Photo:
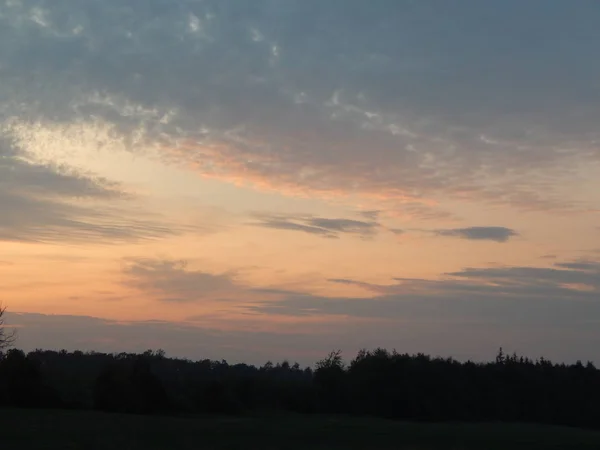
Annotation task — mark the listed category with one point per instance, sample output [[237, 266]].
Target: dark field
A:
[[48, 430]]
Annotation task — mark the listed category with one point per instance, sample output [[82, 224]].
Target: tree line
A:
[[376, 383]]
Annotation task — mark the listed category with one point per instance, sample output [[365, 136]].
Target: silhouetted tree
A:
[[113, 389], [6, 338], [130, 386], [376, 383], [151, 396], [21, 382], [330, 382]]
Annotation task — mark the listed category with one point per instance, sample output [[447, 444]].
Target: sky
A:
[[277, 179]]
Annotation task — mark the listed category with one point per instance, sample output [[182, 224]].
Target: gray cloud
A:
[[178, 339], [497, 234], [350, 282], [280, 224], [550, 311], [404, 100], [171, 280], [42, 203], [579, 273], [562, 295], [343, 281], [325, 227], [19, 176], [565, 295], [587, 266], [45, 221], [307, 345], [370, 215]]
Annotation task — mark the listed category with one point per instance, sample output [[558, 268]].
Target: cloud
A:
[[343, 281], [586, 266], [307, 345], [349, 282], [171, 281], [564, 295], [497, 234], [551, 311], [308, 97], [584, 274], [45, 203], [406, 107], [321, 226], [33, 220], [371, 215], [175, 281], [285, 224], [345, 225], [21, 176], [178, 339]]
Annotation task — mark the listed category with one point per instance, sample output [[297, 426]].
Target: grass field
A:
[[49, 430]]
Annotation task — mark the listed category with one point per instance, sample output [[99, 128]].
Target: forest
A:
[[375, 383]]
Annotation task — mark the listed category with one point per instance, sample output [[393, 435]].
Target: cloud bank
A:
[[440, 101], [562, 295], [539, 311]]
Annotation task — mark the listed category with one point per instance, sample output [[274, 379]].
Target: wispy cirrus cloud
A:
[[46, 203], [321, 226]]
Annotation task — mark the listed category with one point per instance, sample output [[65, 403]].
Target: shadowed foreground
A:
[[56, 429]]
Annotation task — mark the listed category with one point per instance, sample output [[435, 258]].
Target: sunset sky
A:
[[271, 179]]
